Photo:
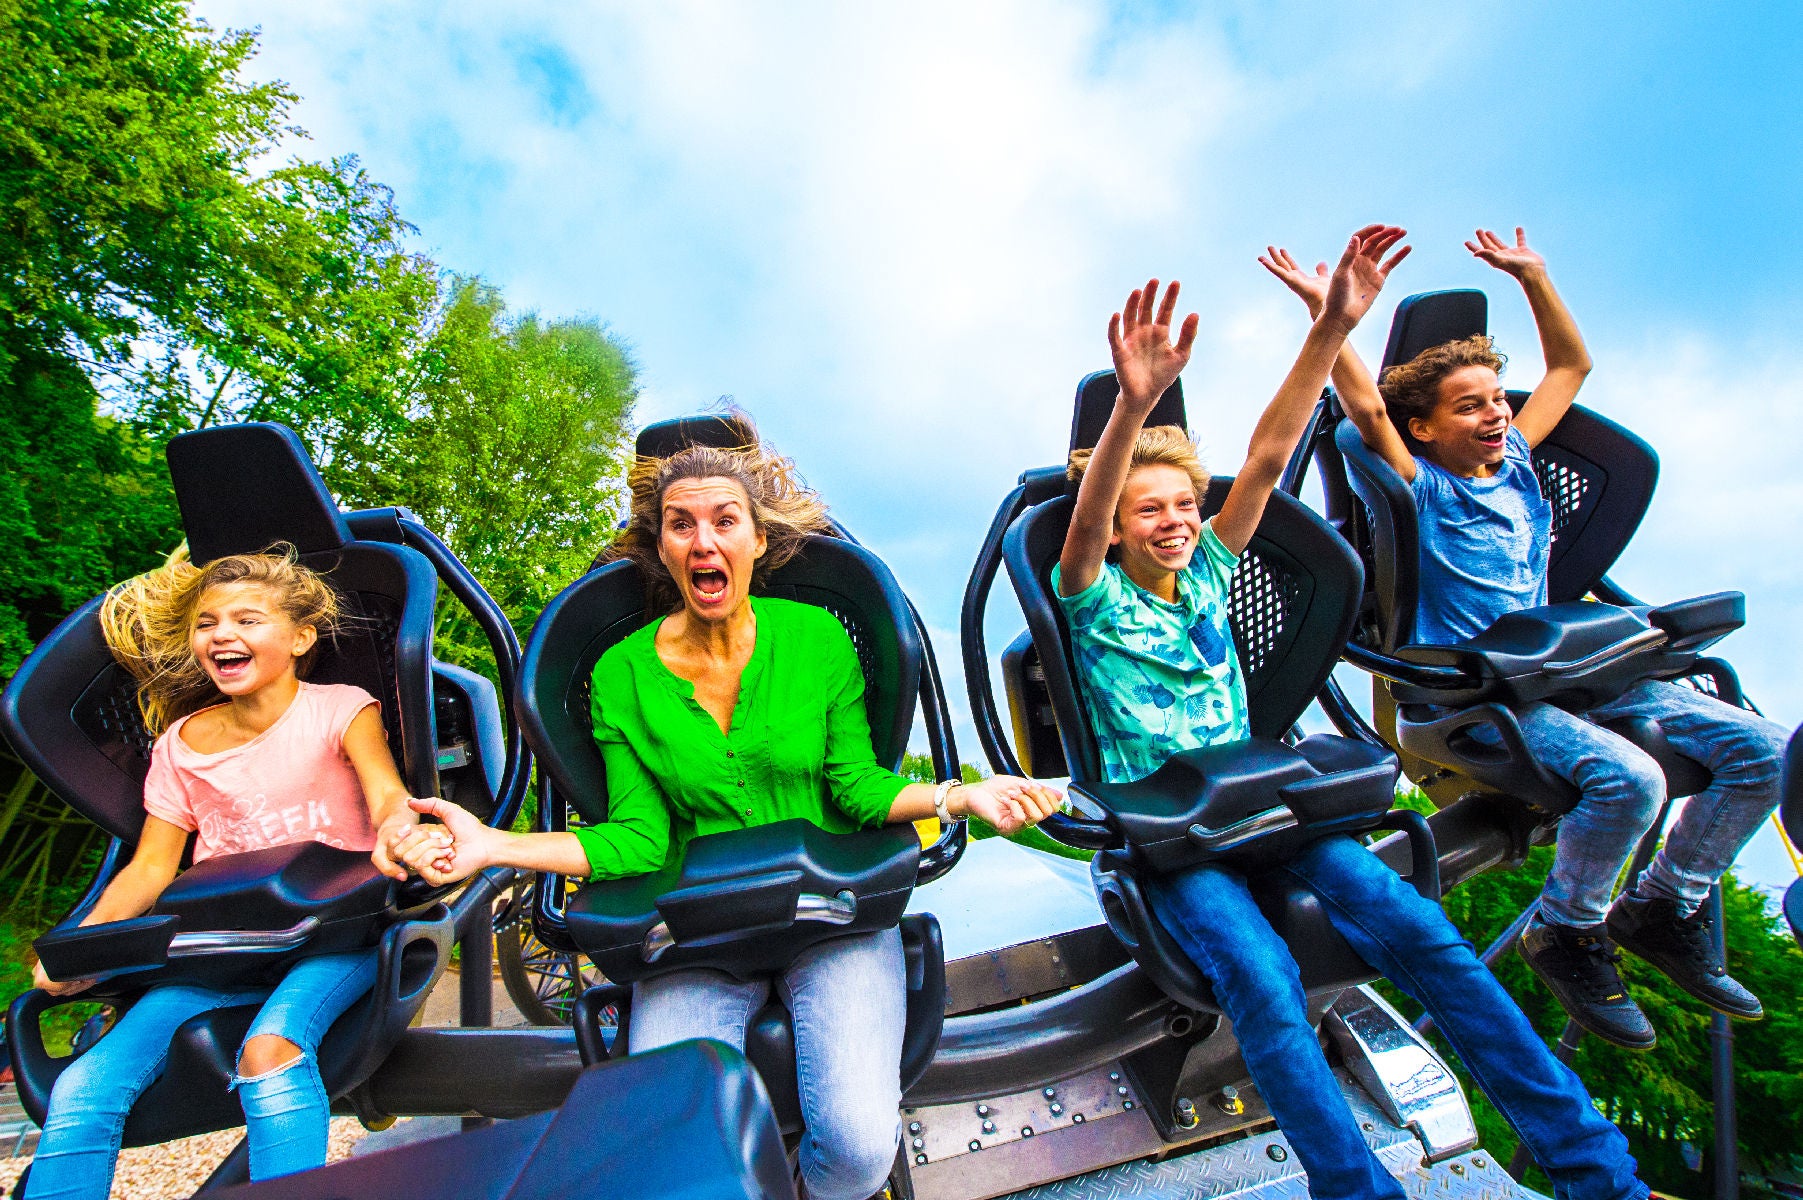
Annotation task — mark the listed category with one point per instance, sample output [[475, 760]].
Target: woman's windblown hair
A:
[[784, 509], [148, 622]]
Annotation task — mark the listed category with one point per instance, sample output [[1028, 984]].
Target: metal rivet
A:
[[1121, 1091], [1051, 1093], [1026, 1131], [919, 1144], [1077, 1119], [1057, 1108], [982, 1110], [1368, 1127], [988, 1126], [975, 1144], [913, 1126], [1128, 1105], [1276, 1153], [1458, 1168], [920, 1160], [1479, 1162], [1114, 1076]]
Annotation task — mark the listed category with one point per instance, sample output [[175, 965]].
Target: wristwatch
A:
[[939, 794]]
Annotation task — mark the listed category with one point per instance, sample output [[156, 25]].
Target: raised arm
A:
[[1359, 397], [1145, 364], [1351, 290], [1567, 358]]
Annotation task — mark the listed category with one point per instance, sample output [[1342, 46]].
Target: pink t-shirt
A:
[[290, 783]]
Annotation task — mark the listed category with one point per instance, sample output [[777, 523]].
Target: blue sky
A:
[[895, 233]]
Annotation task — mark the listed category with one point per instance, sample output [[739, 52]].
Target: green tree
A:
[[514, 454]]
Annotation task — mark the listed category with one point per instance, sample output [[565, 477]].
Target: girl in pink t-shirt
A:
[[249, 756]]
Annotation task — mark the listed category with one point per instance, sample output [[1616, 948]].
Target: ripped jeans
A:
[[285, 1110]]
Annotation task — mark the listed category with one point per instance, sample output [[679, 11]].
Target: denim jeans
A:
[[1407, 938], [848, 997], [1622, 790], [285, 1110]]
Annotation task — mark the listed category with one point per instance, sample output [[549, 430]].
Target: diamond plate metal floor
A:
[[1263, 1167]]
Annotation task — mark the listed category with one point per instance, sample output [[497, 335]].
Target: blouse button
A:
[[729, 754], [741, 783]]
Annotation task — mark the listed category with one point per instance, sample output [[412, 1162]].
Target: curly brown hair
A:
[[1412, 389], [1157, 445], [148, 622], [783, 508]]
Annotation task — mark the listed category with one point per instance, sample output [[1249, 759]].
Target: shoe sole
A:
[[1608, 1035], [1681, 984]]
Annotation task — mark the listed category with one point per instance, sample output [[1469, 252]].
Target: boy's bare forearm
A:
[[1092, 521], [1560, 342]]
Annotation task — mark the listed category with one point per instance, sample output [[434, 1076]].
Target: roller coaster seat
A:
[[1573, 652], [71, 714], [745, 901], [688, 1120], [1254, 803]]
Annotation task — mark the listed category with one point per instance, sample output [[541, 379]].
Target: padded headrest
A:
[[1429, 319], [1095, 401], [243, 487], [665, 438], [1791, 812]]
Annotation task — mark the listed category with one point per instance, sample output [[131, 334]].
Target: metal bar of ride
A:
[[1721, 1073]]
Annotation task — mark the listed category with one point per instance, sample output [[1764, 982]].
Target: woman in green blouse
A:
[[730, 712]]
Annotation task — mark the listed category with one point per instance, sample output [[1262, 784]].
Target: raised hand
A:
[[1353, 287], [1145, 360], [1518, 260], [1312, 288]]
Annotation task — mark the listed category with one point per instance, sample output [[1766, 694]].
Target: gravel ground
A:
[[173, 1170]]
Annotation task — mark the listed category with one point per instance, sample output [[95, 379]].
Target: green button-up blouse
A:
[[799, 745]]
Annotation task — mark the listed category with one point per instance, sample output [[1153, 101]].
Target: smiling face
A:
[[1465, 432], [1156, 524], [243, 639], [709, 544]]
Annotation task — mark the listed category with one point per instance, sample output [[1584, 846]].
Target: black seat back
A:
[[605, 605], [1292, 602], [71, 712]]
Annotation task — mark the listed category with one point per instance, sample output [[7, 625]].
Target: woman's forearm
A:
[[558, 853]]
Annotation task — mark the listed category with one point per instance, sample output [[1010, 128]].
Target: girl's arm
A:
[[1145, 364], [1567, 359], [1359, 397], [153, 865], [366, 745], [1351, 291]]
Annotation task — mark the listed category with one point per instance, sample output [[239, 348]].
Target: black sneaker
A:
[[1683, 948], [1578, 967]]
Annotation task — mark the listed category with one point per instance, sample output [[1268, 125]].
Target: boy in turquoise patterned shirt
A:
[[1154, 651]]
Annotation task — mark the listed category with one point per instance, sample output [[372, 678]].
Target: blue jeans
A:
[[1212, 915], [848, 997], [1622, 790], [286, 1110]]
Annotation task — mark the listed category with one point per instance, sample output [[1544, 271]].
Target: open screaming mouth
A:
[[708, 581]]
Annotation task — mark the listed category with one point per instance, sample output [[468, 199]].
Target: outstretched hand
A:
[[441, 854], [1518, 260], [1145, 360], [1009, 804], [1353, 287]]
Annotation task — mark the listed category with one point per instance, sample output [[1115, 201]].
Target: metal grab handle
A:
[[1244, 830], [1646, 639], [242, 941], [840, 909]]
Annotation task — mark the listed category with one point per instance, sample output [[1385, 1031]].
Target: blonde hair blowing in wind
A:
[[1156, 445], [148, 622], [784, 509]]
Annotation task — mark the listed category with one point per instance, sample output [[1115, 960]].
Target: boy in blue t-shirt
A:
[[1485, 539], [1159, 675]]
